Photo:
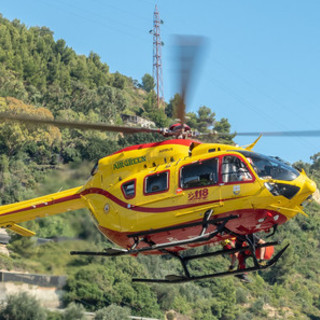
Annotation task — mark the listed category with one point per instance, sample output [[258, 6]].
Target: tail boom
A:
[[48, 205]]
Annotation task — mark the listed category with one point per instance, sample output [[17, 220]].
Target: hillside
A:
[[39, 75]]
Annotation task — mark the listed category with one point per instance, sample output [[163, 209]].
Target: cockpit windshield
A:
[[269, 167]]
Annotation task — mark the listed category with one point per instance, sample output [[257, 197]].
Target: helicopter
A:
[[174, 195]]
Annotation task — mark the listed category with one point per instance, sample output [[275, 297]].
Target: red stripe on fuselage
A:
[[147, 209], [44, 204], [116, 200]]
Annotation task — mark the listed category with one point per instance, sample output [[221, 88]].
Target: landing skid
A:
[[188, 278], [204, 236]]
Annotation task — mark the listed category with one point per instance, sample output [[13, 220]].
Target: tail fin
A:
[[51, 204]]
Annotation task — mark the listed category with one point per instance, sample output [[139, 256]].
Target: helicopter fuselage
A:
[[175, 182]]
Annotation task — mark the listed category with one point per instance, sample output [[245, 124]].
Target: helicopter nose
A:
[[309, 186]]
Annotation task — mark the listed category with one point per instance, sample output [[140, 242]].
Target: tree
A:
[[22, 307], [171, 108], [74, 312], [112, 312], [315, 161], [201, 120], [15, 135], [148, 82], [118, 81], [159, 118], [150, 102], [223, 126], [206, 118]]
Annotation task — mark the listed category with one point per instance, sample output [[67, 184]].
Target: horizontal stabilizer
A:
[[21, 230]]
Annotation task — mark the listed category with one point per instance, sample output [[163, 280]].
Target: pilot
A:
[[243, 172]]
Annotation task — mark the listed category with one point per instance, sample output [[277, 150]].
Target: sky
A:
[[260, 70]]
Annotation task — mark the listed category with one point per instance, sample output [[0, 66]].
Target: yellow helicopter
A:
[[173, 195]]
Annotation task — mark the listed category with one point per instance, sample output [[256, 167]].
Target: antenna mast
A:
[[157, 59]]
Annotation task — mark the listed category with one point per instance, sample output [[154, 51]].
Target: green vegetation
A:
[[22, 307], [25, 307], [39, 75], [112, 312]]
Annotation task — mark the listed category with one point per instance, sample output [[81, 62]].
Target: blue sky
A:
[[261, 69]]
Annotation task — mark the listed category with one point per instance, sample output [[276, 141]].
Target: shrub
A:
[[22, 307], [112, 312]]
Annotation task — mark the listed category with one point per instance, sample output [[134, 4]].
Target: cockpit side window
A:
[[234, 170], [129, 189], [199, 174], [155, 183]]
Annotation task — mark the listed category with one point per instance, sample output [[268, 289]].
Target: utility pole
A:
[[157, 59]]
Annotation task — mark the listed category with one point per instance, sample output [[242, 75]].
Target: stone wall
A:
[[34, 279]]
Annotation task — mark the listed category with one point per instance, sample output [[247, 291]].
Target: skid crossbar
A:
[[173, 279]]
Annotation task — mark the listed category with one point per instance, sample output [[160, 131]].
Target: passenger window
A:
[[200, 174], [234, 170], [129, 189], [157, 182]]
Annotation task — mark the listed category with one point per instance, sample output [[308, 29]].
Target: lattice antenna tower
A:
[[157, 55]]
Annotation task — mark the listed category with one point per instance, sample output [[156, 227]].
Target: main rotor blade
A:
[[302, 133], [188, 54], [73, 124]]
